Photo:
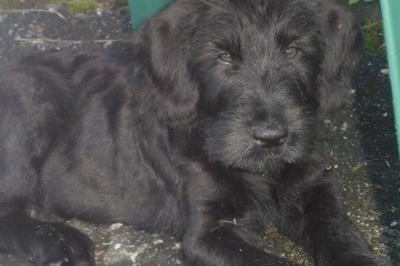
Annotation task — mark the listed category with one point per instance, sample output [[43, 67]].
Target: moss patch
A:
[[80, 6], [73, 6], [374, 39]]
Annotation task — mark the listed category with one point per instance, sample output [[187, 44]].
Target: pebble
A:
[[177, 246], [344, 127], [158, 241], [393, 224], [384, 71], [115, 226]]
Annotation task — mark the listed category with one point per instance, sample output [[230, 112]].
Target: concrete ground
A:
[[362, 140]]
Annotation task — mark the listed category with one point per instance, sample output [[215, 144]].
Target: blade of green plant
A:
[[351, 2]]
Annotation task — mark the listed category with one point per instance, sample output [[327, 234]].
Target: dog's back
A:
[[74, 141]]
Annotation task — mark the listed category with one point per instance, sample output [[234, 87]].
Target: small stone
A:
[[344, 126], [384, 71], [115, 226], [177, 246], [393, 224], [158, 241]]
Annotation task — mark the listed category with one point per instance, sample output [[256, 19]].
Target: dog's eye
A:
[[226, 58], [291, 51]]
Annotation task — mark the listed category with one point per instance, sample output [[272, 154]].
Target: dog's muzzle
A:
[[269, 135]]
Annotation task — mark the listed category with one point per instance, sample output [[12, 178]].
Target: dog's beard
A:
[[232, 146]]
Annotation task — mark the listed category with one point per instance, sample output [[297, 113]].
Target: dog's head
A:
[[261, 72]]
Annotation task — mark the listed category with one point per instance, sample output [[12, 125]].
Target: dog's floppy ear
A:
[[343, 40], [163, 43]]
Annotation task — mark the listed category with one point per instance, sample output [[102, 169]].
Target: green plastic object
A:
[[140, 10], [391, 24]]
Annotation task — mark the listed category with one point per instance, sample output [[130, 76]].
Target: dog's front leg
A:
[[212, 242], [326, 232]]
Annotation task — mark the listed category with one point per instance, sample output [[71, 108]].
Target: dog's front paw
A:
[[58, 244], [45, 243]]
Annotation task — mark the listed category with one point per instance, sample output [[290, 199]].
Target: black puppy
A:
[[206, 127]]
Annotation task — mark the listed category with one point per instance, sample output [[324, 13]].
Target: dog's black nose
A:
[[270, 135]]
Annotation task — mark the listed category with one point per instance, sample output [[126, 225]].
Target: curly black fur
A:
[[206, 126]]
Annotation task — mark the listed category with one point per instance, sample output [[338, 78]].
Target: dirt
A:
[[362, 139]]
